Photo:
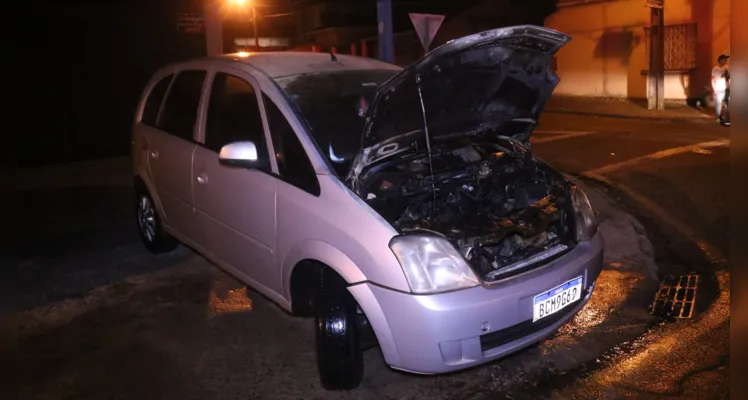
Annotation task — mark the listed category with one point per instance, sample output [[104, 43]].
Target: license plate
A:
[[556, 299]]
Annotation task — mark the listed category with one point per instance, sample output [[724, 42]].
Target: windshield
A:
[[333, 105]]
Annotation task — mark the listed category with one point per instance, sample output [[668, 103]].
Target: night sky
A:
[[103, 52]]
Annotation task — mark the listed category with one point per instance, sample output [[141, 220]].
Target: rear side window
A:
[[233, 114], [180, 109], [153, 103], [294, 166]]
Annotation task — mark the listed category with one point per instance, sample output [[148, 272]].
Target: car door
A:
[[170, 147], [236, 206], [300, 214]]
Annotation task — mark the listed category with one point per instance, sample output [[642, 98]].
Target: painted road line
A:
[[654, 156], [559, 135]]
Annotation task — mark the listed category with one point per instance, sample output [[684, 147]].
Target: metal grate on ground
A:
[[676, 297]]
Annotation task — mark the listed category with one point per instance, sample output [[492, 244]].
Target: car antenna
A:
[[332, 57], [428, 144]]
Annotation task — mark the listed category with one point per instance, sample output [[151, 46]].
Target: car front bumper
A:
[[433, 334]]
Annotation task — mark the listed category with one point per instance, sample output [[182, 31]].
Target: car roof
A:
[[278, 64]]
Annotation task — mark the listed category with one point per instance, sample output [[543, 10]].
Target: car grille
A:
[[533, 261]]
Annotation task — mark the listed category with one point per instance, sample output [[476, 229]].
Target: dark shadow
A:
[[101, 57], [639, 102], [129, 350], [685, 84], [678, 202], [617, 44], [636, 83], [78, 238], [164, 340], [702, 12]]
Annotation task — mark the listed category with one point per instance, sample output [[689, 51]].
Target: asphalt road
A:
[[689, 176], [104, 319], [674, 176]]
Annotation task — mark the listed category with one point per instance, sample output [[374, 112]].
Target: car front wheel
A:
[[339, 355]]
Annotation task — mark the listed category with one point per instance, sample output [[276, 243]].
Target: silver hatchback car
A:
[[398, 207]]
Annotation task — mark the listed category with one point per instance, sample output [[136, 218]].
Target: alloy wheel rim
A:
[[147, 218]]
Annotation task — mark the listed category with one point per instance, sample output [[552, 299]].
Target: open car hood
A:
[[494, 82]]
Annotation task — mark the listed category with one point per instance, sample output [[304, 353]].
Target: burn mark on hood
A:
[[496, 81]]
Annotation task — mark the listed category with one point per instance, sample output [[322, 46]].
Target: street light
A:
[[243, 3]]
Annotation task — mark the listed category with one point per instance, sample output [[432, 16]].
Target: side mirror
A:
[[241, 154]]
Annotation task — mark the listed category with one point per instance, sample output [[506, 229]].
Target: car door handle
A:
[[202, 179], [154, 153]]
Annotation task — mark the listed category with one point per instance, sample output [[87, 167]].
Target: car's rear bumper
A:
[[451, 331]]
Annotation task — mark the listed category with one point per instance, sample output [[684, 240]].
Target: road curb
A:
[[610, 319], [652, 343], [657, 344], [708, 259], [694, 120], [674, 227], [609, 213], [651, 350]]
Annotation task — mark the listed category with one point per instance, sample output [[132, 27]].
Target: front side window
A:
[[293, 163], [153, 102], [180, 110], [233, 114]]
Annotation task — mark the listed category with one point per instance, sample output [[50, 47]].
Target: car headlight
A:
[[583, 214], [431, 264]]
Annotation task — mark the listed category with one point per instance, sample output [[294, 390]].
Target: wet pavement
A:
[[102, 318], [176, 334], [115, 322], [687, 177], [681, 360], [679, 191], [693, 187]]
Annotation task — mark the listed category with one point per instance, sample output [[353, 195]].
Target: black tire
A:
[[339, 355], [151, 231]]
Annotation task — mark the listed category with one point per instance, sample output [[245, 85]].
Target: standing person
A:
[[720, 81]]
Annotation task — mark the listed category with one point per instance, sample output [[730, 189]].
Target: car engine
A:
[[504, 210]]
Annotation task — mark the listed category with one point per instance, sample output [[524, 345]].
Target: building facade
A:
[[331, 25], [609, 52]]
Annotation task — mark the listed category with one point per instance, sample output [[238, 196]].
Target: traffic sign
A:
[[426, 27], [190, 23]]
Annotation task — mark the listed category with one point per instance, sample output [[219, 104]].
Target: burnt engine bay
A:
[[502, 208]]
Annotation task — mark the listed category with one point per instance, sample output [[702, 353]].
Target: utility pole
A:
[[656, 76], [213, 28], [254, 26], [386, 42]]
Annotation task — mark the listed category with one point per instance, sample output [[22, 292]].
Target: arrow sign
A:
[[426, 27]]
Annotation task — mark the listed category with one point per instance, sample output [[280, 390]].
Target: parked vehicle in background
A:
[[401, 207]]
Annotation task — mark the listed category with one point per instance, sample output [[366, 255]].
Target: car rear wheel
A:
[[155, 239], [338, 334]]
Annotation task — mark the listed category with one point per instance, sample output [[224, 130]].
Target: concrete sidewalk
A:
[[624, 108]]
